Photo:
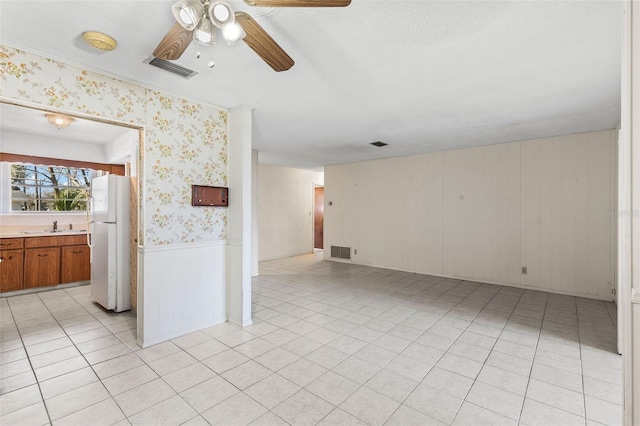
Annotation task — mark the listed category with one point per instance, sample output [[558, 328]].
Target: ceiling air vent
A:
[[170, 66], [379, 144]]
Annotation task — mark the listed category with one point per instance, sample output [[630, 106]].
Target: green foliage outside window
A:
[[49, 188]]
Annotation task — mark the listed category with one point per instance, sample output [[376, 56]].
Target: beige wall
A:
[[285, 211], [483, 213]]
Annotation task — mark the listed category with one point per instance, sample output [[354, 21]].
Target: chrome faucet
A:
[[55, 225]]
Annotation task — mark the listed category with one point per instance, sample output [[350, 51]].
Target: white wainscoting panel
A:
[[184, 289]]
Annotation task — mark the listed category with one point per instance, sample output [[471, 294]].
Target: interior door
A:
[[318, 217]]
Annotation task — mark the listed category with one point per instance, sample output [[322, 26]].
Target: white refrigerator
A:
[[109, 224]]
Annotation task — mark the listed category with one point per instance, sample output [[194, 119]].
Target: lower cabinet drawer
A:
[[42, 267]]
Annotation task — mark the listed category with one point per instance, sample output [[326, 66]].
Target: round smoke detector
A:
[[99, 40]]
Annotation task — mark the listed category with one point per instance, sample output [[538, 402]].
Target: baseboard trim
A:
[[165, 338], [506, 284]]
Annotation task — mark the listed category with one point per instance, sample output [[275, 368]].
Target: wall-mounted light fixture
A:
[[58, 120]]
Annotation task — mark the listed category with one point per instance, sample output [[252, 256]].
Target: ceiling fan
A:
[[198, 20]]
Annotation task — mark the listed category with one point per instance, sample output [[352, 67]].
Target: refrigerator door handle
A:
[[90, 206], [89, 232], [90, 221]]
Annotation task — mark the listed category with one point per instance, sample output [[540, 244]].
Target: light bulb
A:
[[233, 32]]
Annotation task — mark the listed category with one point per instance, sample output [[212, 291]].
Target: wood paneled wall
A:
[[484, 213]]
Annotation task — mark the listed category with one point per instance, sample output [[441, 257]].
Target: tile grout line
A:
[[444, 352], [581, 380], [492, 349], [73, 343], [398, 354], [535, 353], [330, 296], [360, 386], [133, 352], [540, 329], [80, 352], [447, 351], [46, 409]]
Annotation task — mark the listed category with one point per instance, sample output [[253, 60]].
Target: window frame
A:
[[6, 160], [40, 185]]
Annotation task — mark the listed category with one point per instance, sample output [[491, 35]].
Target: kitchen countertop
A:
[[25, 234]]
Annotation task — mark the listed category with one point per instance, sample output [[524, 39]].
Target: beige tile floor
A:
[[332, 344]]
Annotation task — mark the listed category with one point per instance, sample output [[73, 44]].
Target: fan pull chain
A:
[[211, 64]]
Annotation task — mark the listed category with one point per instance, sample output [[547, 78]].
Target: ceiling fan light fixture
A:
[[59, 120], [188, 13], [233, 33], [221, 13], [205, 33]]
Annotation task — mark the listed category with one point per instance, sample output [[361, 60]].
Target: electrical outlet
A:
[[524, 270], [355, 251]]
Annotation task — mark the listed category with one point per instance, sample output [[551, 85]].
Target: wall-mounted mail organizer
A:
[[217, 196]]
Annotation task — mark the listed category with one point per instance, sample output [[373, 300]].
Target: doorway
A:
[[318, 217], [121, 144]]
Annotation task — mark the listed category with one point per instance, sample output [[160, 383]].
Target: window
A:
[[49, 188]]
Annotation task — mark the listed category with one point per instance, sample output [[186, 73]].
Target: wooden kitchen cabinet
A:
[[42, 267], [11, 270], [76, 264], [11, 243], [55, 241], [42, 261]]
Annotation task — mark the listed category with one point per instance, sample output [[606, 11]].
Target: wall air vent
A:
[[341, 252], [379, 144], [171, 67]]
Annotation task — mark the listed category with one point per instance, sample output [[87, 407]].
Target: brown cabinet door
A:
[[76, 264], [11, 270], [42, 267]]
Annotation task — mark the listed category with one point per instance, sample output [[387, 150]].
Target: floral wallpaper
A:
[[185, 142]]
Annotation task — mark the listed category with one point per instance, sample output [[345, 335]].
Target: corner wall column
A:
[[629, 213], [254, 211], [239, 250]]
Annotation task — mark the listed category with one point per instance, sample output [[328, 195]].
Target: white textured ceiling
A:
[[32, 124], [419, 75]]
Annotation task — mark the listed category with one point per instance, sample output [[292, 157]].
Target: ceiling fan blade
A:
[[299, 3], [174, 43], [262, 43]]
